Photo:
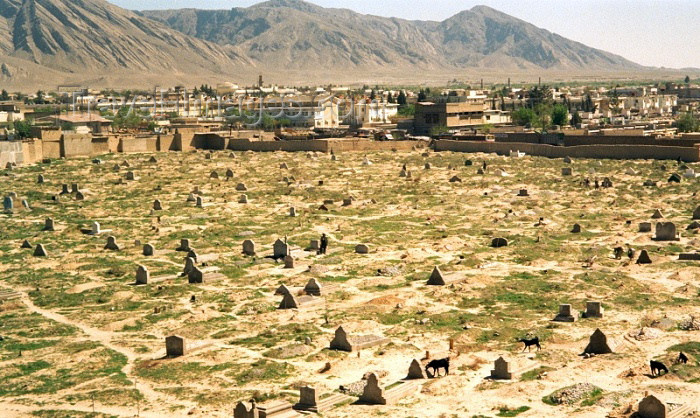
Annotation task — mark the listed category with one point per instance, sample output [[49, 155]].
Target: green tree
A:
[[438, 130], [540, 95], [543, 118], [401, 100], [614, 100], [422, 96], [407, 110], [390, 98], [4, 95], [523, 116], [560, 115], [67, 126], [23, 128], [373, 95], [688, 123], [687, 79], [576, 118], [126, 118]]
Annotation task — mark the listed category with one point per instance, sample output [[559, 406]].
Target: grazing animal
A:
[[436, 365], [657, 367], [682, 358], [529, 343], [618, 252]]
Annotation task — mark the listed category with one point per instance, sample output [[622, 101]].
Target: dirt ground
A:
[[80, 339]]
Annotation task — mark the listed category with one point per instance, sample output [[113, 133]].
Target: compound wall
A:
[[622, 152]]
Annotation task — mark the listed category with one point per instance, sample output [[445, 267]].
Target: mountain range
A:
[[92, 42]]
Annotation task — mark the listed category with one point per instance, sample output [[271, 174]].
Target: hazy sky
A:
[[650, 32]]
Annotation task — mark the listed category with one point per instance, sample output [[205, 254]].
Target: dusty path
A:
[[152, 397]]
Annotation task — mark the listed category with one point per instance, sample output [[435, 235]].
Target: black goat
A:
[[529, 343], [436, 365], [682, 358], [657, 367]]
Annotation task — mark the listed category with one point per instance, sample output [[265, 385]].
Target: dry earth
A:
[[92, 341]]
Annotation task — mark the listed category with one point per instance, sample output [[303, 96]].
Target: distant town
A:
[[660, 111]]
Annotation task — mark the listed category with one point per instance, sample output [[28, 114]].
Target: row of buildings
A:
[[329, 108]]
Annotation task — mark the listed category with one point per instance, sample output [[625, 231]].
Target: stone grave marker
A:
[[8, 204], [175, 346], [436, 278], [26, 244], [64, 189], [372, 393], [314, 245], [313, 287], [599, 343], [243, 199], [696, 213], [416, 371], [191, 198], [288, 302], [565, 314], [142, 275], [292, 212], [645, 227], [214, 175], [40, 179], [644, 258], [289, 262], [576, 229], [111, 244], [157, 205], [48, 224], [523, 193], [184, 245], [241, 187], [657, 214], [362, 249], [40, 251], [148, 250], [566, 171], [249, 247], [594, 309], [501, 370], [499, 242], [280, 249], [666, 231], [199, 203], [229, 173]]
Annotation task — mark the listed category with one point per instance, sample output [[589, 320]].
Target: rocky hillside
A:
[[85, 40], [298, 34]]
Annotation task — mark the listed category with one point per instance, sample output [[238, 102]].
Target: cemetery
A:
[[428, 257]]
